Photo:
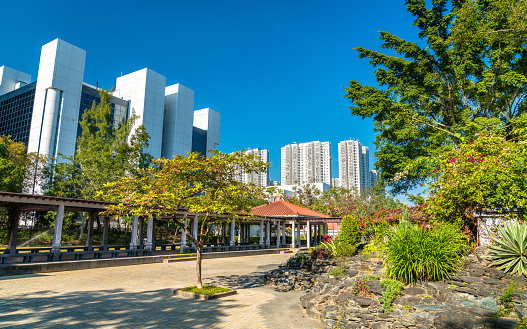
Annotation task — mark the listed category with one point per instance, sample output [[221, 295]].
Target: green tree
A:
[[106, 151], [19, 172], [305, 195], [191, 184], [467, 78]]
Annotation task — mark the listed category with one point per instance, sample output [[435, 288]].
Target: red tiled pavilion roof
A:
[[284, 208]]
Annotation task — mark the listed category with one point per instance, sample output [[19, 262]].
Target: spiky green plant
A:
[[421, 253], [510, 250]]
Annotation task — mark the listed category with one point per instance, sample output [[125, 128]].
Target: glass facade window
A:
[[89, 95], [199, 141], [16, 110]]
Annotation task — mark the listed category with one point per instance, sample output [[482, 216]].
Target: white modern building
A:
[[306, 163], [45, 114], [258, 178], [354, 166]]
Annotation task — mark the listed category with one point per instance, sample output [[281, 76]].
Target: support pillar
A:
[[232, 232], [308, 234], [223, 233], [278, 234], [319, 233], [150, 234], [89, 238], [141, 229], [57, 237], [298, 235], [284, 241], [105, 232], [133, 240], [293, 244], [261, 232], [268, 234], [183, 242]]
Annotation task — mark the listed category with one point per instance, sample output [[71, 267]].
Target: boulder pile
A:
[[469, 299]]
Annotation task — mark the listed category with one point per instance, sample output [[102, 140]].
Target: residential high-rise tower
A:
[[306, 163], [259, 178], [354, 166]]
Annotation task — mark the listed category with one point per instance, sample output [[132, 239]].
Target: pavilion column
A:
[[55, 247], [195, 229], [293, 244], [232, 232], [268, 234], [141, 243], [150, 234], [89, 238], [105, 232], [133, 240], [183, 242], [284, 241], [248, 233], [278, 234], [319, 233], [223, 232], [308, 234], [298, 235], [261, 232]]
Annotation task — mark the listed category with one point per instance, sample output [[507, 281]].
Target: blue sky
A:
[[275, 70]]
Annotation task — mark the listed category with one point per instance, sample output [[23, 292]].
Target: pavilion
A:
[[286, 213]]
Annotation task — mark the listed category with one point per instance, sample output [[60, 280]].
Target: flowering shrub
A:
[[320, 253], [488, 173]]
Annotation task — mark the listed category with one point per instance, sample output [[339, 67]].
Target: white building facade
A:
[[354, 168], [45, 114], [258, 178], [306, 163]]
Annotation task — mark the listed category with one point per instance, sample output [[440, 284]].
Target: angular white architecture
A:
[[354, 171], [178, 121], [258, 178], [45, 114], [306, 163], [57, 97], [208, 121], [145, 89], [11, 79]]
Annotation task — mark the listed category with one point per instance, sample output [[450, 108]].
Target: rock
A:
[[379, 325], [412, 291], [488, 303], [457, 320], [352, 272], [467, 279], [472, 291], [429, 307], [481, 255], [363, 301], [481, 311], [375, 287]]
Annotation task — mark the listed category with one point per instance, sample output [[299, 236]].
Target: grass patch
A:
[[206, 290]]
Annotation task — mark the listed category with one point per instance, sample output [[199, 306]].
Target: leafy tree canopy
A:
[[190, 184], [106, 150], [470, 78]]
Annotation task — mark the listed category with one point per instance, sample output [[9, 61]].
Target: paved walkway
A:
[[139, 296]]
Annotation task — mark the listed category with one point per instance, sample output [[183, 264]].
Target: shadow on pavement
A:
[[110, 308]]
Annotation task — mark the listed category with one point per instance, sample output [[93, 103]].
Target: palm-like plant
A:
[[510, 251]]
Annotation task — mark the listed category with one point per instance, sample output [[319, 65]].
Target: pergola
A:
[[279, 213], [32, 202], [295, 216]]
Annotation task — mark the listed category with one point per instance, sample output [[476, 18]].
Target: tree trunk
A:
[[199, 247], [13, 214]]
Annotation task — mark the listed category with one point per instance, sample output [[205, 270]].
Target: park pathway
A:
[[139, 296]]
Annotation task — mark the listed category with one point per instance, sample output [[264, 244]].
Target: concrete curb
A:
[[191, 295]]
